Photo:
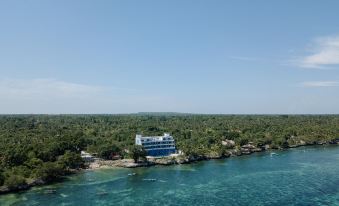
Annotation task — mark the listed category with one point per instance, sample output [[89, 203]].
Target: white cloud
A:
[[324, 52], [320, 84]]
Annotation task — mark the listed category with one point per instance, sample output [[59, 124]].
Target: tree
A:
[[71, 160], [14, 181], [231, 135], [243, 141], [34, 163], [107, 150], [50, 171], [138, 152], [2, 178], [36, 145]]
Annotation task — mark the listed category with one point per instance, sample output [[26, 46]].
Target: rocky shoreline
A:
[[178, 159], [182, 159], [31, 183], [37, 182]]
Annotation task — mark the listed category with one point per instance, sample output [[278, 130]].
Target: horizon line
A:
[[165, 113]]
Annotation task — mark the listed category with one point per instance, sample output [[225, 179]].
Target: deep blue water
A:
[[301, 176]]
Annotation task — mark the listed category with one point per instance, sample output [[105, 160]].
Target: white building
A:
[[157, 145]]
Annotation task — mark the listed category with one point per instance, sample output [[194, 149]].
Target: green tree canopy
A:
[[137, 152]]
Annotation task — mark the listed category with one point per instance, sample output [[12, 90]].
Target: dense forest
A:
[[46, 147]]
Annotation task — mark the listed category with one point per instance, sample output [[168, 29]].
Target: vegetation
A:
[[48, 147], [14, 180], [137, 152]]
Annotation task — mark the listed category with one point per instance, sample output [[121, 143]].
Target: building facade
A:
[[157, 145]]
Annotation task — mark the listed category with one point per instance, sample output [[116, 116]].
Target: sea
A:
[[298, 176]]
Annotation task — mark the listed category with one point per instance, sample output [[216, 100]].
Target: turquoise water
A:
[[301, 176]]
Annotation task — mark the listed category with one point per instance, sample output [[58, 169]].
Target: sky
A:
[[191, 56]]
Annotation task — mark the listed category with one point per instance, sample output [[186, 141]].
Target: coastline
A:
[[34, 183], [183, 159], [163, 161]]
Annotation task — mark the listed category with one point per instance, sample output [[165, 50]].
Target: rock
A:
[[302, 142], [132, 164], [37, 182], [245, 151], [228, 143], [214, 155], [335, 141], [257, 150], [235, 152], [165, 161], [248, 146], [320, 143], [4, 189], [181, 159], [226, 154]]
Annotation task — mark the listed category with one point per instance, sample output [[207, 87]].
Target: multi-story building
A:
[[157, 145]]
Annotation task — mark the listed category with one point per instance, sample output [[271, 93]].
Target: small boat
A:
[[102, 193], [50, 191], [131, 174], [150, 179]]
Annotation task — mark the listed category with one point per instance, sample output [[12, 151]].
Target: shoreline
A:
[[182, 159], [163, 161]]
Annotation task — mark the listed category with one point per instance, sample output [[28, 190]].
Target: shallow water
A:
[[300, 176]]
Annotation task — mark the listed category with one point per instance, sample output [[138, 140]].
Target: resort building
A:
[[157, 145]]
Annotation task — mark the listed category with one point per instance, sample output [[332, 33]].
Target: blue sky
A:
[[230, 57]]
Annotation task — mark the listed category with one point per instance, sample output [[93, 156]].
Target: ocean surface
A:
[[300, 176]]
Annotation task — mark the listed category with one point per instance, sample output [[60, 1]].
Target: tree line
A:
[[47, 147]]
